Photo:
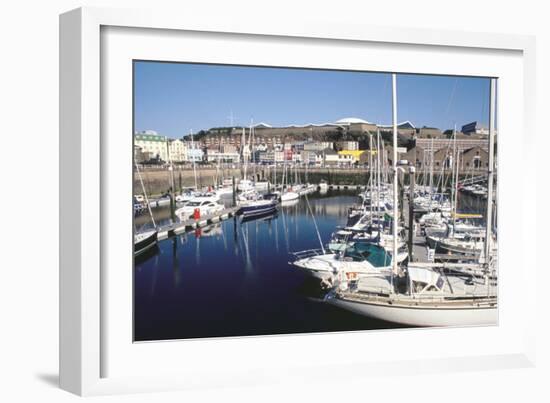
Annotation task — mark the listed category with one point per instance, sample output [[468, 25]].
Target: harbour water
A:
[[233, 278]]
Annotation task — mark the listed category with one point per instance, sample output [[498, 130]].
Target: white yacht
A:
[[205, 205], [289, 196], [329, 266], [433, 298], [429, 294]]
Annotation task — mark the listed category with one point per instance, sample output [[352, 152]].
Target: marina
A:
[[397, 228], [233, 278], [250, 257]]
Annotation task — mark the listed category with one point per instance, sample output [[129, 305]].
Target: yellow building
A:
[[359, 156]]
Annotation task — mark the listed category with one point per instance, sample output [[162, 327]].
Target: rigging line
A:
[[145, 194], [315, 224], [451, 99]]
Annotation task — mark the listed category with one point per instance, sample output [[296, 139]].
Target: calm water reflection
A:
[[234, 279]]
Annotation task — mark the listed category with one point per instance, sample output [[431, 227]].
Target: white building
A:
[[313, 157], [219, 156], [336, 159], [194, 152], [177, 150], [347, 145], [151, 144], [318, 146]]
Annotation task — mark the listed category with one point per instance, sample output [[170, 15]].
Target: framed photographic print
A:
[[243, 205]]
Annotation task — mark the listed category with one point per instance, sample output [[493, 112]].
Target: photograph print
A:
[[273, 200]]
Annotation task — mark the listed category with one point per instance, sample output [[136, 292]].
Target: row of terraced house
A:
[[308, 144]]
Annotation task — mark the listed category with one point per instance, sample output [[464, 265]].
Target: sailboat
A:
[[452, 236], [426, 294], [145, 240], [252, 203], [288, 193]]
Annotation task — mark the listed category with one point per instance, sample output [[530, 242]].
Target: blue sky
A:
[[173, 98]]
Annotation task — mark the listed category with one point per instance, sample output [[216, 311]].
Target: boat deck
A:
[[454, 288]]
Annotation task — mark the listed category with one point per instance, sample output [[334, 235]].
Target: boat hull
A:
[[421, 316], [289, 196], [143, 245], [254, 210]]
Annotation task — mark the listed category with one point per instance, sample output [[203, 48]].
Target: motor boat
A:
[[205, 205]]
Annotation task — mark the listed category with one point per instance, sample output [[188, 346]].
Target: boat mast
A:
[[274, 172], [245, 146], [371, 187], [431, 169], [378, 173], [145, 194], [252, 153], [194, 157], [492, 114], [456, 154], [455, 201], [395, 209]]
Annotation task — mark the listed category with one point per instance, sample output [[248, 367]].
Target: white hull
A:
[[329, 266], [288, 196], [290, 203], [422, 316]]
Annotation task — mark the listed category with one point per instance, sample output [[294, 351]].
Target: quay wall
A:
[[158, 181]]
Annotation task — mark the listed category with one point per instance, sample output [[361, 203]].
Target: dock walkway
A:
[[170, 230]]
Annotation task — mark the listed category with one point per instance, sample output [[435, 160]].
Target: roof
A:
[[262, 124], [473, 148], [403, 125], [350, 120], [473, 125], [149, 137], [312, 125]]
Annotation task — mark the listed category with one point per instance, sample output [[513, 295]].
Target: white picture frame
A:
[[88, 338]]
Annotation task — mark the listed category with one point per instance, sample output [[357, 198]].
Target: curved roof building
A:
[[351, 120]]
